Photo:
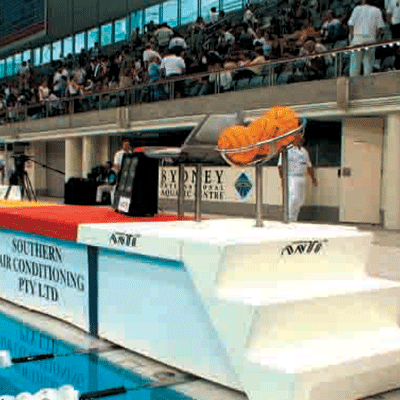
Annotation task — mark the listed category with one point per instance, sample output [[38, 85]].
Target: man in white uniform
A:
[[119, 155], [299, 165], [365, 24]]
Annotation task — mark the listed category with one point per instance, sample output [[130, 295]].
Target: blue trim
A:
[[93, 266]]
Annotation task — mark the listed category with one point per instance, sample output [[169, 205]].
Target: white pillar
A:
[[391, 173], [73, 158], [102, 149], [88, 154], [39, 175]]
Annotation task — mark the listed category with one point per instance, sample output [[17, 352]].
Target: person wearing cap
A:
[[299, 165]]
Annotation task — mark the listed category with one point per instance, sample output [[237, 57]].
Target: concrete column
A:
[[39, 175], [73, 158], [103, 149], [391, 173], [88, 154]]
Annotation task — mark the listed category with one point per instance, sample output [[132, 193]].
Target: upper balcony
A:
[[183, 101]]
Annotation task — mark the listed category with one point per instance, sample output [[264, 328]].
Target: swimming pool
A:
[[86, 373]]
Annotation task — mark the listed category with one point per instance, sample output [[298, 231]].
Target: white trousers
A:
[[105, 189], [364, 57], [297, 195]]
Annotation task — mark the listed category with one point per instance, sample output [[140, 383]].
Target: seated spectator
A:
[[177, 44], [107, 190], [220, 76], [44, 91], [245, 39], [135, 38], [306, 32], [332, 30], [163, 35], [253, 65], [315, 68]]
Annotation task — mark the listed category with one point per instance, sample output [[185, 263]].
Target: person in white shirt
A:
[[126, 148], [393, 16], [177, 44], [148, 53], [299, 165], [365, 24], [213, 16], [173, 65]]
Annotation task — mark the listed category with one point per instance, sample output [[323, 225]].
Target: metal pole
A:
[[197, 199], [181, 190], [285, 186], [259, 193]]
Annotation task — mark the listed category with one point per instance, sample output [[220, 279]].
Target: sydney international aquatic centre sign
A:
[[43, 273], [219, 184]]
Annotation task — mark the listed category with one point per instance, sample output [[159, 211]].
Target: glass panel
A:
[[170, 12], [2, 68], [230, 5], [57, 50], [10, 66], [152, 14], [93, 37], [188, 11], [46, 54], [17, 62], [37, 59], [106, 34], [27, 55], [120, 30], [206, 5], [137, 19], [79, 42], [68, 46]]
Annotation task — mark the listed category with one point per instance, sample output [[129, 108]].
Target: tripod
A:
[[21, 178]]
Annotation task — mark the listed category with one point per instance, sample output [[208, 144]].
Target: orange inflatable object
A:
[[238, 136], [276, 122]]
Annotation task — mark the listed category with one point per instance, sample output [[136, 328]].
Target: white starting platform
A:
[[283, 311]]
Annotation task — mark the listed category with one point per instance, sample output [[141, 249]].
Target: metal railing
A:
[[273, 72]]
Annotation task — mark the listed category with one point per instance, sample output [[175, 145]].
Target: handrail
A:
[[198, 76]]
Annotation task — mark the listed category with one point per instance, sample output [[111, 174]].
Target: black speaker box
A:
[[80, 191], [137, 189]]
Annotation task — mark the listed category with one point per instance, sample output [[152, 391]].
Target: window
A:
[[120, 30], [46, 54], [106, 34], [231, 5], [27, 55], [79, 42], [57, 50], [37, 56], [17, 62], [188, 11], [93, 37], [170, 12], [205, 7], [137, 20], [152, 14], [2, 68], [10, 66], [68, 46]]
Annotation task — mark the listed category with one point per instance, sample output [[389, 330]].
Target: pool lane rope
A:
[[6, 360], [68, 392]]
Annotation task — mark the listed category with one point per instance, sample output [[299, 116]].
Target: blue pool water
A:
[[85, 373]]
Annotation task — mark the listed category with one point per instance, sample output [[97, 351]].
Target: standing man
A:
[[299, 165], [365, 25], [393, 17], [119, 155]]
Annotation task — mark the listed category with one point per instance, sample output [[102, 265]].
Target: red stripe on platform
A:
[[62, 221]]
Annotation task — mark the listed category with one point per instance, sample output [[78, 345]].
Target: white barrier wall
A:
[[47, 275], [237, 185]]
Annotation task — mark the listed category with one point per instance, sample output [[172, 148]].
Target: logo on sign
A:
[[304, 247], [124, 203], [123, 239], [243, 185]]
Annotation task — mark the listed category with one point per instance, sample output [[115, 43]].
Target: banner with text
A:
[[45, 274], [219, 184]]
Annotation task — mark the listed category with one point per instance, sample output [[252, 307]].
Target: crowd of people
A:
[[215, 46]]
